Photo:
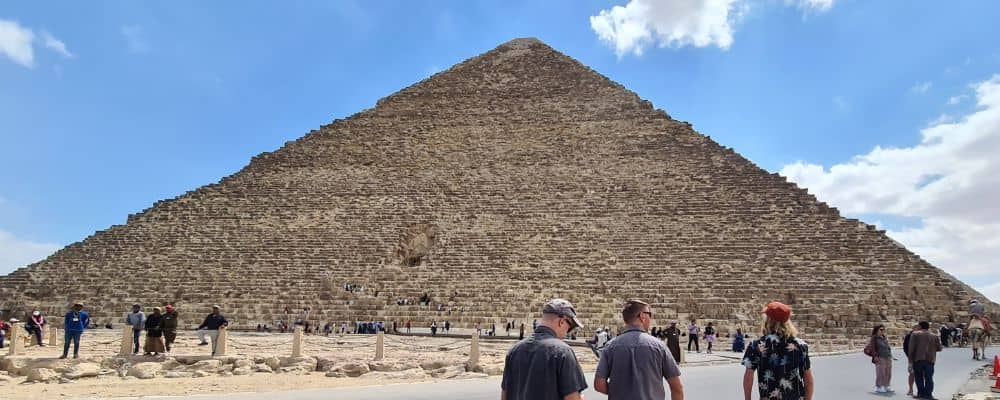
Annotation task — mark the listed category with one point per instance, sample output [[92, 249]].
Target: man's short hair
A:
[[925, 325], [633, 308]]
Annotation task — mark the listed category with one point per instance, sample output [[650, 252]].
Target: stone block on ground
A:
[[146, 370]]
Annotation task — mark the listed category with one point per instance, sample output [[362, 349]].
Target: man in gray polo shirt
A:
[[543, 367], [634, 364]]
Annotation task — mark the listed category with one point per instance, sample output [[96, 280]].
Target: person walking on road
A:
[[923, 349], [137, 319], [709, 337], [693, 332], [543, 367], [75, 322], [634, 364], [780, 359], [881, 353]]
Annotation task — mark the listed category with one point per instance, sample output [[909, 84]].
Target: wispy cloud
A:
[[16, 253], [55, 44], [953, 100], [15, 43], [921, 87], [136, 39]]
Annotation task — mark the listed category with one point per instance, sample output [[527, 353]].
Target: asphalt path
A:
[[850, 376]]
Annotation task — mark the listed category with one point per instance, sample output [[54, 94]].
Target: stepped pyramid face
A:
[[513, 177]]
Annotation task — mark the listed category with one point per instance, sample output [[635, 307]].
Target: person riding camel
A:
[[978, 311]]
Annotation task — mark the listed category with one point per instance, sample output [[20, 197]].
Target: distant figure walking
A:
[[923, 349], [693, 332], [75, 322], [170, 326], [136, 319], [780, 359], [542, 366], [881, 353], [709, 337], [634, 364]]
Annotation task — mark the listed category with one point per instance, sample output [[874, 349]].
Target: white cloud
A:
[[992, 291], [921, 88], [15, 253], [55, 44], [812, 5], [678, 23], [15, 43], [136, 39], [953, 100], [950, 181]]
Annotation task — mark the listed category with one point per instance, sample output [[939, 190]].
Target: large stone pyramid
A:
[[512, 177]]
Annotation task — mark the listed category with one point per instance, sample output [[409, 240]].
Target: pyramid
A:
[[513, 177]]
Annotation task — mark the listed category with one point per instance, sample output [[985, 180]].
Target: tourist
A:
[[434, 328], [780, 359], [169, 326], [447, 326], [35, 325], [673, 335], [3, 331], [709, 337], [520, 336], [909, 361], [210, 328], [408, 325], [636, 363], [493, 329], [74, 323], [739, 341], [923, 348], [509, 326], [881, 353], [137, 319], [542, 366], [693, 331], [154, 333], [944, 332], [602, 338]]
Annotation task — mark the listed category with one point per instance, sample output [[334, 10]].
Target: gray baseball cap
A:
[[562, 307]]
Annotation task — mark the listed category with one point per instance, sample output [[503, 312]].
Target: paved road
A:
[[849, 376]]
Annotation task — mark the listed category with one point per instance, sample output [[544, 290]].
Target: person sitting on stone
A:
[[35, 325], [154, 333], [210, 328]]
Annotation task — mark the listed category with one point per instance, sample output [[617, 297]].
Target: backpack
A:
[[870, 348]]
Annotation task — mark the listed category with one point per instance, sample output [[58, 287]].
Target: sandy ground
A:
[[97, 345]]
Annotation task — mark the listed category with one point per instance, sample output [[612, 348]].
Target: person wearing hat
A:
[[137, 319], [154, 333], [35, 325], [75, 322], [634, 364], [780, 359], [543, 367], [169, 326], [210, 327]]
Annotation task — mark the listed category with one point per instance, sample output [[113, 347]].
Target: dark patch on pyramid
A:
[[513, 177]]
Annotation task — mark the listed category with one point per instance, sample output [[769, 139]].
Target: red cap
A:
[[777, 311], [170, 306]]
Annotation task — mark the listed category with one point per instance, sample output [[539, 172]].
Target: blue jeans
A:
[[135, 339], [75, 338], [923, 376]]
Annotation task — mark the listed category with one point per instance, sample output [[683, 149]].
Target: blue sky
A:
[[146, 100]]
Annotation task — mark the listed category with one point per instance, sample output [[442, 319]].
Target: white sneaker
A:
[[889, 390], [879, 389]]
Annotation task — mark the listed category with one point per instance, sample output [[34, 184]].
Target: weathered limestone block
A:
[[41, 375], [146, 370], [84, 370]]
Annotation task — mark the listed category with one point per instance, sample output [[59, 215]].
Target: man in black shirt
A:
[[211, 326], [543, 367]]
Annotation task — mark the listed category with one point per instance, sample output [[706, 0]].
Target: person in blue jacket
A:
[[74, 323]]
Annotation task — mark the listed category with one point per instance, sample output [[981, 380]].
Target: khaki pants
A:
[[214, 334]]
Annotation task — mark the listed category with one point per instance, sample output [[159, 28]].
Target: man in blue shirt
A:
[[634, 364], [74, 323], [543, 367]]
